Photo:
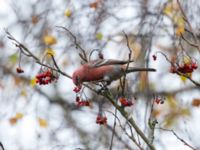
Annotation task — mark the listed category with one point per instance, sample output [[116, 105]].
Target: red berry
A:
[[77, 99], [101, 120], [48, 73], [77, 89], [125, 102], [194, 65]]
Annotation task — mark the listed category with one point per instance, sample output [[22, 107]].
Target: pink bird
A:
[[103, 70]]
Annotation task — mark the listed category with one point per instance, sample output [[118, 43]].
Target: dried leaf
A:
[[94, 5], [17, 80], [34, 19], [196, 102], [156, 112], [13, 120]]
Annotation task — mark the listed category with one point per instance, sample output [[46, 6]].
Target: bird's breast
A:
[[98, 73]]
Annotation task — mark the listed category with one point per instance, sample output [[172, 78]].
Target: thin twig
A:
[[113, 130], [179, 73], [106, 94], [124, 129], [109, 96], [127, 66], [1, 146], [23, 48], [152, 123], [190, 26], [178, 137], [189, 42], [83, 55]]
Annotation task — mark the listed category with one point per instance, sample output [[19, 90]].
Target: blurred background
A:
[[46, 117]]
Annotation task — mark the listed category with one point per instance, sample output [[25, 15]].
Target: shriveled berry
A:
[[19, 70], [154, 57]]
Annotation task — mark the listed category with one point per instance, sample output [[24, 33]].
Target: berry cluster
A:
[[125, 102], [77, 89], [80, 102], [185, 68], [45, 77], [101, 120]]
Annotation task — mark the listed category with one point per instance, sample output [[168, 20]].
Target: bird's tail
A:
[[135, 69]]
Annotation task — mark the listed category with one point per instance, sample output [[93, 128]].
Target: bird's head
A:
[[76, 77]]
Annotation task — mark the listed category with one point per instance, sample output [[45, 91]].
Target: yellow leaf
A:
[[183, 78], [169, 121], [180, 21], [186, 60], [99, 36], [23, 93], [49, 40], [19, 116], [13, 58], [185, 112], [172, 102], [42, 122], [68, 12], [168, 9], [179, 30], [50, 52], [33, 82]]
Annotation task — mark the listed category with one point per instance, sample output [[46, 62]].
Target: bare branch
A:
[[83, 55], [178, 137]]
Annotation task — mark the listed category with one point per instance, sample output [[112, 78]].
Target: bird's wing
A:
[[105, 62]]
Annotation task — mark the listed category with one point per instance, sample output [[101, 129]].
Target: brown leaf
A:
[[196, 102], [13, 120]]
